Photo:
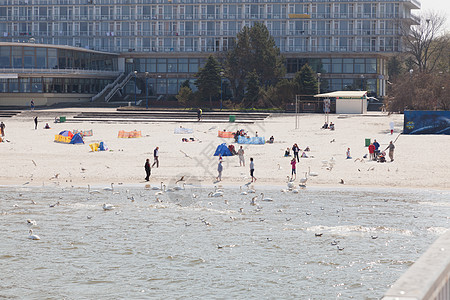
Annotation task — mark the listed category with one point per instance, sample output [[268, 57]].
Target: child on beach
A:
[[348, 154], [293, 163]]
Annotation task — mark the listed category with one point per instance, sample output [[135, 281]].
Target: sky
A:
[[437, 6]]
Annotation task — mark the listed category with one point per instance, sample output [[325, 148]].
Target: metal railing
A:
[[428, 278], [58, 71], [118, 86], [107, 87]]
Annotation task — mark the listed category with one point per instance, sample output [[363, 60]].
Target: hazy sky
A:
[[436, 5]]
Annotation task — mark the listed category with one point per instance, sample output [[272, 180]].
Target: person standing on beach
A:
[[294, 172], [391, 148], [156, 157], [199, 114], [32, 104], [372, 151], [35, 122], [2, 128], [252, 169], [296, 149], [241, 157], [219, 170], [348, 154], [391, 125], [376, 145], [147, 169]]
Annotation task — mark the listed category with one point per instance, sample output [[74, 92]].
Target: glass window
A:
[[347, 66], [161, 86], [172, 65], [162, 65], [183, 65], [337, 65], [172, 86], [25, 86], [5, 57], [193, 65], [371, 65], [13, 85], [41, 58], [36, 85], [359, 66]]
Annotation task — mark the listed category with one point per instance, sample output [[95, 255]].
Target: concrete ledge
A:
[[428, 277]]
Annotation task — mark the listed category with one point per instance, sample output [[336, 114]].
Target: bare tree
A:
[[422, 41]]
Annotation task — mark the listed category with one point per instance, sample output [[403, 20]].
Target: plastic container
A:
[[232, 118], [367, 142], [62, 119]]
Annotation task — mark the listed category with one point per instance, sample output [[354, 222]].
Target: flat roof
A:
[[343, 94], [16, 44]]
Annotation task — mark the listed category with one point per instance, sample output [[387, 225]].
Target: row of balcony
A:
[[198, 17], [206, 33]]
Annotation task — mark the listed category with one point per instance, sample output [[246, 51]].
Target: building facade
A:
[[347, 42]]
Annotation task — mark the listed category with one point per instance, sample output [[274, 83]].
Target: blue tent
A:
[[77, 139], [223, 150]]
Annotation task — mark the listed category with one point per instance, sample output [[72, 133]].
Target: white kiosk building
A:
[[348, 102]]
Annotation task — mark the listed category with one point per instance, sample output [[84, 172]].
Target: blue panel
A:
[[426, 122]]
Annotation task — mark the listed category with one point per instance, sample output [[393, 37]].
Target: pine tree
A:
[[208, 79]]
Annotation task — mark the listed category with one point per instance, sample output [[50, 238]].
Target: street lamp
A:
[[362, 82], [318, 83], [146, 90], [135, 88], [221, 98]]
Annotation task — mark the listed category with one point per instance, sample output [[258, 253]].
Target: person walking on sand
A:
[[252, 169], [199, 114], [294, 172], [296, 149], [391, 125], [147, 169], [156, 157], [391, 148], [241, 157], [2, 128], [35, 122], [219, 170], [32, 104]]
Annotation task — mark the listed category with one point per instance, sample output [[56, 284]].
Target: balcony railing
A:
[[58, 71]]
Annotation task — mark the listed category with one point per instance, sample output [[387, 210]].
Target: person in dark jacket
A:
[[147, 169]]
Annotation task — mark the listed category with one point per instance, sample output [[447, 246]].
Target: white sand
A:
[[421, 161]]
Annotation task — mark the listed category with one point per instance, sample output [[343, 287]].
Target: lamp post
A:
[[221, 98], [318, 83], [135, 88], [146, 90], [362, 82]]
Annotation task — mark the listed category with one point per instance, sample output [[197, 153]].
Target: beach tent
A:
[[256, 140], [131, 134], [77, 139], [223, 150], [64, 136], [102, 147]]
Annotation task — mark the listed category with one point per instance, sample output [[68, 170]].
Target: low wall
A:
[[428, 278], [41, 99]]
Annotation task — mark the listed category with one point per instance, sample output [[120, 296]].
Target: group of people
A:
[[296, 150], [328, 126], [147, 166], [380, 156]]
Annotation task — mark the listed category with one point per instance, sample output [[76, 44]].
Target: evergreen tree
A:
[[208, 79], [253, 85], [255, 50]]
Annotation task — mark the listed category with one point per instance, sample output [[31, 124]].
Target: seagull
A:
[[374, 237], [332, 141], [89, 217], [108, 206], [342, 181], [181, 179], [269, 239], [288, 219], [53, 205], [334, 243], [339, 248], [318, 234]]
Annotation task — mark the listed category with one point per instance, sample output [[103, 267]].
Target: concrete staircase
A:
[[8, 113], [166, 116]]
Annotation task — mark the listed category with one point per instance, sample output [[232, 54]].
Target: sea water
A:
[[188, 245]]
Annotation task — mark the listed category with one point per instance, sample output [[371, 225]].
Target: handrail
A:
[[118, 86], [428, 278], [111, 85], [58, 71]]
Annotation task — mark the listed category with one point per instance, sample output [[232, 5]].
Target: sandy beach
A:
[[32, 157]]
